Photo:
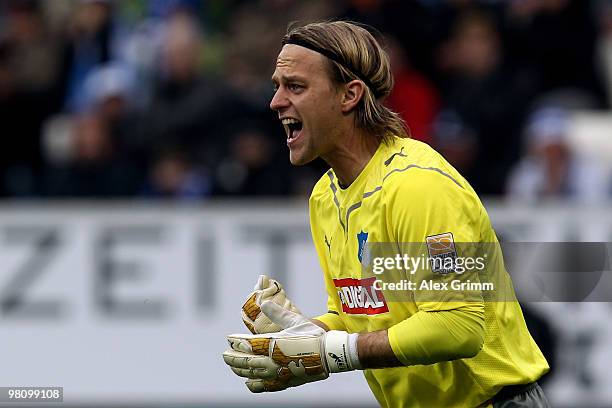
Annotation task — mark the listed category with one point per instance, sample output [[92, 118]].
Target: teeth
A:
[[290, 121]]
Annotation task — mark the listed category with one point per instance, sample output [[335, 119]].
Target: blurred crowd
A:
[[169, 98]]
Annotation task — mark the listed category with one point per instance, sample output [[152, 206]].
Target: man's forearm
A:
[[375, 350], [423, 340]]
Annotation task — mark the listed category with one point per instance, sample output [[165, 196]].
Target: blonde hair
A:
[[353, 53]]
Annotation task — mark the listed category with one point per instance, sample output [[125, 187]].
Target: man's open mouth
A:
[[292, 127]]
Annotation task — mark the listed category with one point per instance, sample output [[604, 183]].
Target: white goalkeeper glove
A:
[[302, 352], [265, 289]]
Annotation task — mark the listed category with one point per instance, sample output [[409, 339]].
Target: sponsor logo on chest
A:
[[358, 296]]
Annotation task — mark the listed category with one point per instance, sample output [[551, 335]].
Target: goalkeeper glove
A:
[[302, 352], [265, 289]]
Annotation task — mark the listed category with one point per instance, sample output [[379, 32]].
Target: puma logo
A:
[[328, 243], [338, 360], [390, 159]]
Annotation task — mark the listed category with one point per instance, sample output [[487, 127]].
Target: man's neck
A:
[[350, 157]]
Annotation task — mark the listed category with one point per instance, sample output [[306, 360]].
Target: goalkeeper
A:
[[432, 349]]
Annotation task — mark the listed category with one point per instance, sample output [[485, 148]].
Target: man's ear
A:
[[352, 93]]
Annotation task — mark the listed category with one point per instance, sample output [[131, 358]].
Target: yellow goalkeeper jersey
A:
[[408, 193]]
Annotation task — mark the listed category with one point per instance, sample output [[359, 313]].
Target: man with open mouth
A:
[[442, 345]]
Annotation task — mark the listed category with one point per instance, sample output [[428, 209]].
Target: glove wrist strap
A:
[[353, 354], [341, 351]]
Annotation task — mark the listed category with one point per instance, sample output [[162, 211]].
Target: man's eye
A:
[[294, 87]]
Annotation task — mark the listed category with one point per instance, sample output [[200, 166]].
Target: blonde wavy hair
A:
[[354, 53]]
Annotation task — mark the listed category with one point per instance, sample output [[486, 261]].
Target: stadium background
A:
[[145, 184]]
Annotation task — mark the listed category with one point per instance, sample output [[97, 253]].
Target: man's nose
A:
[[279, 100]]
